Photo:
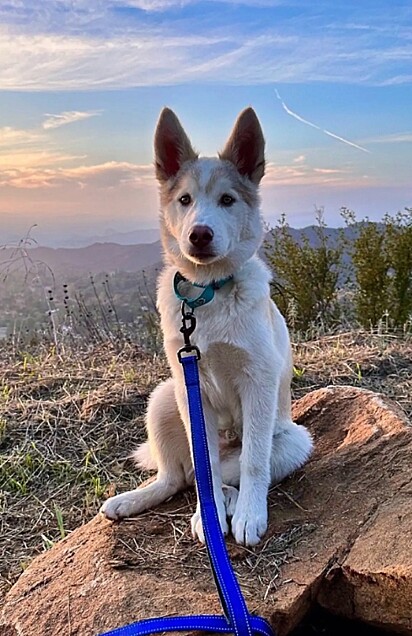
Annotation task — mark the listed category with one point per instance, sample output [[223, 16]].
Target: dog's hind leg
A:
[[167, 449]]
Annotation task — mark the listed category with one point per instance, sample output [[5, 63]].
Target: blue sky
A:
[[82, 83]]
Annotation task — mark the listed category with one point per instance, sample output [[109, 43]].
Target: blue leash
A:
[[236, 619]]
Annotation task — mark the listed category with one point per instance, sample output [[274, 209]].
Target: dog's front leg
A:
[[258, 399], [213, 445]]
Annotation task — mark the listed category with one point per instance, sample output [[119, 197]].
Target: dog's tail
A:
[[291, 448], [143, 457]]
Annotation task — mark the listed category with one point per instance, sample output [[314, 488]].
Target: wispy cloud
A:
[[299, 159], [24, 158], [312, 125], [67, 117], [302, 174], [155, 5], [30, 150], [165, 5], [108, 45], [56, 62], [394, 138], [14, 137], [108, 175]]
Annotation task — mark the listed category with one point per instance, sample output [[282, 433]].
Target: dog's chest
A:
[[221, 369]]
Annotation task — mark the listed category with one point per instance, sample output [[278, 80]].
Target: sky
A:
[[82, 83]]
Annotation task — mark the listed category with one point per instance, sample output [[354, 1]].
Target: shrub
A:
[[381, 255], [399, 251], [306, 277]]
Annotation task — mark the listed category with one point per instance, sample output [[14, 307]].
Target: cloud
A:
[[106, 176], [63, 63], [38, 158], [67, 117], [12, 137], [394, 138], [107, 45], [302, 174], [22, 149], [156, 5], [167, 5]]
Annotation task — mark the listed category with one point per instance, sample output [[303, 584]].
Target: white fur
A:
[[246, 362]]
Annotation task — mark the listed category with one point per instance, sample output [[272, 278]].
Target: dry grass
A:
[[378, 362], [67, 427], [68, 424]]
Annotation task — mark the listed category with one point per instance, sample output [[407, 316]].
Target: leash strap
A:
[[204, 623], [231, 598]]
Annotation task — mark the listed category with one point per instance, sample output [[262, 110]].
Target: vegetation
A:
[[306, 276], [362, 277]]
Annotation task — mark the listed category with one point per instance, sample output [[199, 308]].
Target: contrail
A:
[[309, 123]]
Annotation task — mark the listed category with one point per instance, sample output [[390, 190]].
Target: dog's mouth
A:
[[202, 256]]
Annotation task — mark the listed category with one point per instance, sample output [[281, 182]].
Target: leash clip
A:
[[187, 328]]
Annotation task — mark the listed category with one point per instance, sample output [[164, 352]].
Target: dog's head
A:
[[210, 219]]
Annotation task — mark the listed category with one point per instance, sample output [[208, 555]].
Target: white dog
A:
[[211, 229]]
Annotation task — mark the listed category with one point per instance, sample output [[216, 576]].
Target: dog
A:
[[211, 230]]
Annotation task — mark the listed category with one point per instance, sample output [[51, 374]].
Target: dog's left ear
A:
[[245, 147]]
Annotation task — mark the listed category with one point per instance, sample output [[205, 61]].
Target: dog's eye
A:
[[226, 200], [186, 199]]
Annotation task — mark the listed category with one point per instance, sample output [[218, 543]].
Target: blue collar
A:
[[207, 294]]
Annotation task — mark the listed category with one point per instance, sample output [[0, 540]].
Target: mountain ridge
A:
[[110, 256]]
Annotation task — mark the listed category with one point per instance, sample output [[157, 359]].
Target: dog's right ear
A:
[[172, 146]]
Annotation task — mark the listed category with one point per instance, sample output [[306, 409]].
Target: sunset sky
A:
[[82, 83]]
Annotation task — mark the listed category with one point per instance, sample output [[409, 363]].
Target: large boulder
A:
[[340, 534]]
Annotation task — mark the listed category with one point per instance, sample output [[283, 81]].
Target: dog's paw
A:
[[197, 525], [120, 506], [249, 526], [231, 496]]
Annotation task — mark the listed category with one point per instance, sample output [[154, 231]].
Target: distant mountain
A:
[[134, 237], [93, 259], [113, 257], [13, 231]]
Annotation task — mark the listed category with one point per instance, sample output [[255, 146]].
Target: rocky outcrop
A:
[[340, 534]]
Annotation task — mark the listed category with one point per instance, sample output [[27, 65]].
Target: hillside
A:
[[93, 259], [112, 256], [106, 280]]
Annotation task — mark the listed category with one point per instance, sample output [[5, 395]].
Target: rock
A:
[[340, 534], [375, 578]]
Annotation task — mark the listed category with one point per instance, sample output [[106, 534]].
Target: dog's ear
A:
[[172, 146], [246, 146]]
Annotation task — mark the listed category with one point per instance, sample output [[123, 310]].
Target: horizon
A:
[[81, 95]]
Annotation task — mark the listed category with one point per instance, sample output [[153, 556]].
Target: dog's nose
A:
[[201, 235]]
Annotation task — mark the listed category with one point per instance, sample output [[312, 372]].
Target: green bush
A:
[[381, 255], [306, 277], [399, 251]]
